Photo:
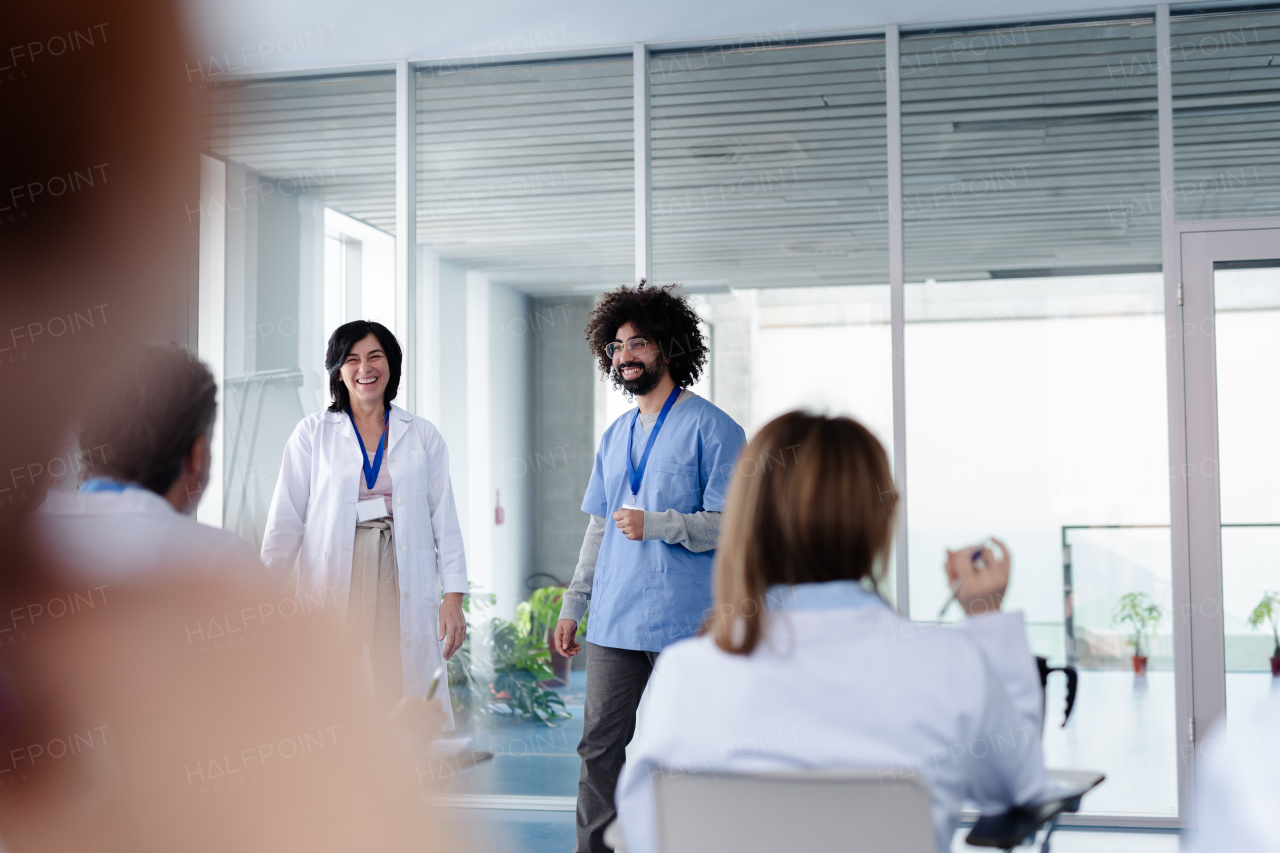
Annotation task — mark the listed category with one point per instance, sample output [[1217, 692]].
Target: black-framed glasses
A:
[[636, 345]]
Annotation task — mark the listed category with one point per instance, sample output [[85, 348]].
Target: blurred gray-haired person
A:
[[144, 444]]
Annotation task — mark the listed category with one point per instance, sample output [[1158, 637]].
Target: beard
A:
[[642, 384]]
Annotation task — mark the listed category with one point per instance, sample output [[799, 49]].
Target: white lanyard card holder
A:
[[373, 508]]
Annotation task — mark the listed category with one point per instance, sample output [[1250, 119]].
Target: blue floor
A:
[[1122, 725], [529, 757], [508, 831]]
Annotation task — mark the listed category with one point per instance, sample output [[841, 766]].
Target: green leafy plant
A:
[[1268, 611], [1140, 613], [498, 667], [520, 663], [483, 600], [539, 615]]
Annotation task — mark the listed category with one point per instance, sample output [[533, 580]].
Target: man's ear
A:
[[198, 457]]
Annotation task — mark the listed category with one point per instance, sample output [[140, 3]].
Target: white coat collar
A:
[[107, 503], [397, 424]]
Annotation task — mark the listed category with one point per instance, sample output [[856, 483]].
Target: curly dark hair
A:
[[661, 314]]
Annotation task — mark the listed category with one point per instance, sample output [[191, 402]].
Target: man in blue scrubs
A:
[[655, 497]]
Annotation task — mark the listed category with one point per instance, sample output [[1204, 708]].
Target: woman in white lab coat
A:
[[804, 666], [364, 496]]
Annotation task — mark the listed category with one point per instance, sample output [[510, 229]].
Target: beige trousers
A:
[[373, 608]]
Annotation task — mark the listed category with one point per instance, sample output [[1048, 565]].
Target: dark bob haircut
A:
[[661, 314], [340, 343], [140, 429]]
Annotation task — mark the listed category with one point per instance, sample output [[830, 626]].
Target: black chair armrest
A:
[[1009, 829]]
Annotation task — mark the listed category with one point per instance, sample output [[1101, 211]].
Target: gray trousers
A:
[[615, 682]]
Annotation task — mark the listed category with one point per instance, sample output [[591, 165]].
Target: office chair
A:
[[768, 812], [844, 811]]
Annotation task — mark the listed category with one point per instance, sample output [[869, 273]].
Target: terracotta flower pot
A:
[[1275, 666], [1139, 664]]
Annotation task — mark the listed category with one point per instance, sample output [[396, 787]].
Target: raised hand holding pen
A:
[[979, 577]]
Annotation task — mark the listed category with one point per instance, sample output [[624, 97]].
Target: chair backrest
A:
[[769, 812]]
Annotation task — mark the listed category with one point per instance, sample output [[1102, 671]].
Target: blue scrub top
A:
[[646, 595]]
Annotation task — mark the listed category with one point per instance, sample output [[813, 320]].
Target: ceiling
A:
[[1026, 151], [526, 172]]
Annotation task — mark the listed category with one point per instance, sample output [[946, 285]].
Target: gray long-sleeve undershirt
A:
[[697, 531]]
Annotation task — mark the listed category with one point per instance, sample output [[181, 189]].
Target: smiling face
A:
[[365, 370], [640, 372]]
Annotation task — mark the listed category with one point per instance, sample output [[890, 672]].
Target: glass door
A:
[[1231, 355]]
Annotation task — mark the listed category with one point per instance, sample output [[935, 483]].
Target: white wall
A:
[[253, 35], [510, 348], [450, 372], [211, 334], [477, 377], [313, 338], [479, 428]]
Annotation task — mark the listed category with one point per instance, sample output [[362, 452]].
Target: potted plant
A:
[[1268, 610], [511, 680], [1141, 614], [537, 617]]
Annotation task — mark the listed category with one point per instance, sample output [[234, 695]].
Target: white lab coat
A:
[[1238, 784], [854, 688], [135, 534], [313, 516]]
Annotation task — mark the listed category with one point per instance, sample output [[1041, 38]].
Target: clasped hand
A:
[[630, 522]]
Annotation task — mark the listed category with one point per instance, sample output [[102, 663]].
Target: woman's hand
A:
[[453, 625], [566, 629], [982, 587]]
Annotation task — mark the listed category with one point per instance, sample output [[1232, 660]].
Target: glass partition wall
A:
[[298, 193], [1033, 321], [525, 210], [1247, 350], [1226, 119], [1035, 352], [770, 201]]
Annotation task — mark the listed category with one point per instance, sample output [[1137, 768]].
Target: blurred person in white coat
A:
[[365, 504], [802, 664], [1238, 785], [144, 444]]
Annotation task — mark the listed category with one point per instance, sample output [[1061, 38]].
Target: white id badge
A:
[[632, 504], [371, 509]]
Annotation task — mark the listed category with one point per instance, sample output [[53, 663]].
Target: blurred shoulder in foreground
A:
[[158, 711], [194, 715]]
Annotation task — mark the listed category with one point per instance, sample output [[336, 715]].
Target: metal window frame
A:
[[1194, 486], [407, 227], [897, 288]]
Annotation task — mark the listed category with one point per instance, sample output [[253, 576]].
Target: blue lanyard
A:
[[636, 473], [102, 484], [371, 473]]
